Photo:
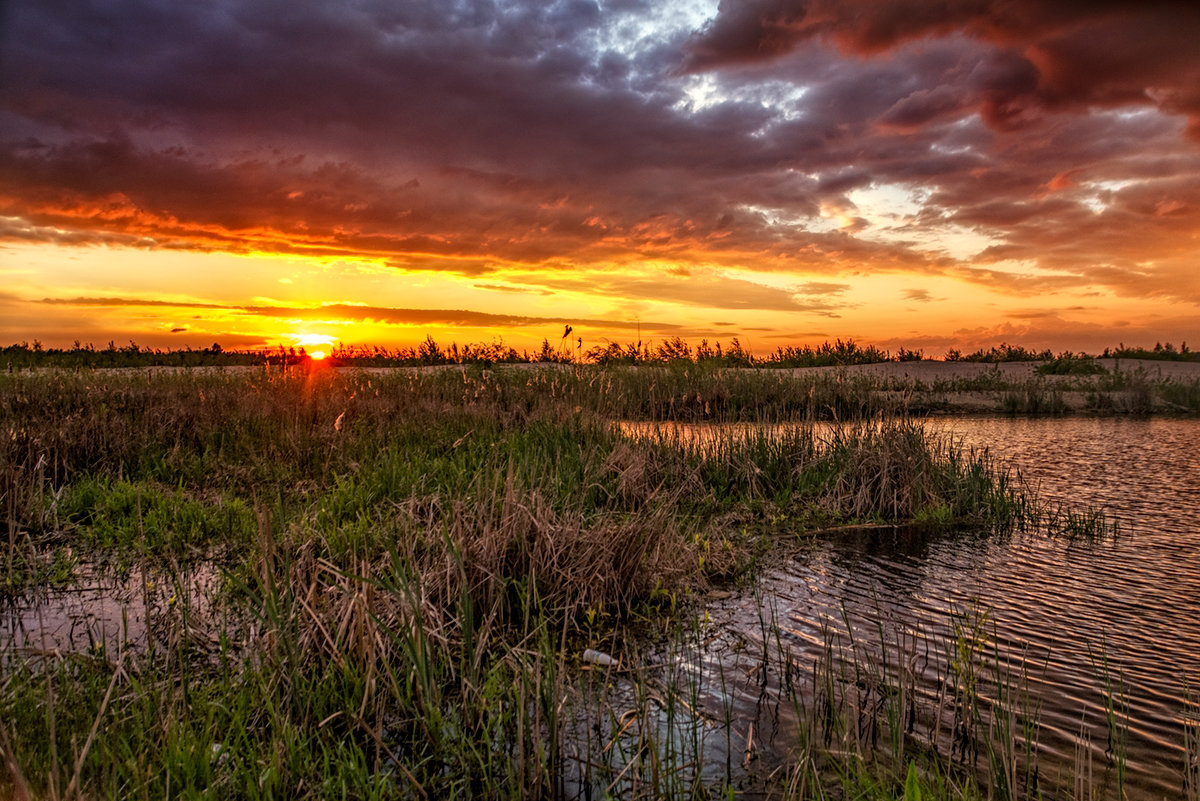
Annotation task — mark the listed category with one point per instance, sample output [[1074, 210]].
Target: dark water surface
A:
[[1138, 597], [113, 609], [1087, 625]]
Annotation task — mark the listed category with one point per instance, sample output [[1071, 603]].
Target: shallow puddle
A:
[[113, 609]]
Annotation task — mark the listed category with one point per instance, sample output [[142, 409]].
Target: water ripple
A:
[[1082, 622]]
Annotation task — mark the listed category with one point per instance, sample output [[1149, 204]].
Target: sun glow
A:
[[307, 340], [317, 355]]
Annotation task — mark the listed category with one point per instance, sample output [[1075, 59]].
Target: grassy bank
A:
[[404, 572]]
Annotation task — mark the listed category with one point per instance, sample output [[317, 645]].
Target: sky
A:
[[906, 173]]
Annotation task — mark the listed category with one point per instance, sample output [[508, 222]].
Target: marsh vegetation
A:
[[468, 582]]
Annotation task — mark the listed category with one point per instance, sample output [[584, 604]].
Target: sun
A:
[[321, 345]]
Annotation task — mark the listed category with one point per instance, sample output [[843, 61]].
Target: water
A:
[[109, 610], [1138, 597], [1087, 625]]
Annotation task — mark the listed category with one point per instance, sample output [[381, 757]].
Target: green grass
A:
[[148, 519], [1034, 399], [1072, 365], [1180, 396]]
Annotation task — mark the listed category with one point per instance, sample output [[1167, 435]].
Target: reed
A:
[[1191, 746], [1033, 399]]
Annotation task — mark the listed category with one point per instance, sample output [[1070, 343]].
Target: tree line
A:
[[673, 350]]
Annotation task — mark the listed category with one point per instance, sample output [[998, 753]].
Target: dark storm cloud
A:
[[1044, 54], [474, 136], [440, 135]]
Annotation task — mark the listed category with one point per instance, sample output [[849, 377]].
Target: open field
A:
[[1117, 386], [687, 390], [407, 584], [1103, 386], [929, 371]]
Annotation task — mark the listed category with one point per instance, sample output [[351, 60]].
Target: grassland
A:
[[412, 581]]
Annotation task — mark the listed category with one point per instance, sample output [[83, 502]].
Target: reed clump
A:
[[893, 472], [1033, 399]]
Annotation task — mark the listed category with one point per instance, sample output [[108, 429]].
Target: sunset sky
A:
[[918, 173]]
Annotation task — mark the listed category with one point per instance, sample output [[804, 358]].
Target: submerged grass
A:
[[933, 713], [411, 565], [1191, 747]]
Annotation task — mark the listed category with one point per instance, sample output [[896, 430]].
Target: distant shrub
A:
[[674, 350], [1160, 352], [1072, 365], [1000, 353], [827, 354]]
